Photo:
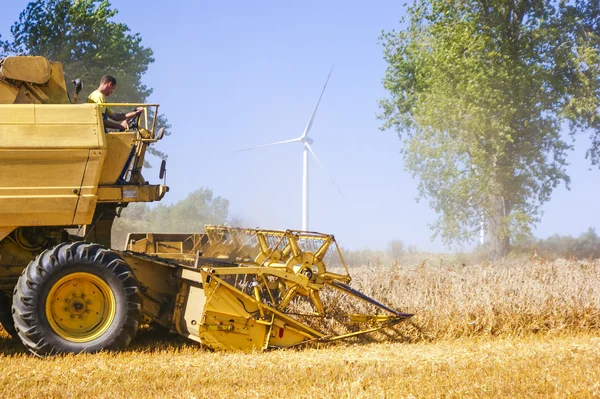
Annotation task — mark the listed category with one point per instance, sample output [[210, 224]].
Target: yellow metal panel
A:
[[85, 209], [89, 184], [217, 317], [110, 194], [8, 93], [37, 126], [89, 188], [226, 323], [5, 230], [29, 69], [56, 88], [40, 170], [83, 114], [40, 187], [119, 146], [22, 114], [49, 136], [37, 210], [27, 96], [157, 286], [283, 336], [195, 300], [167, 245], [131, 193], [44, 168]]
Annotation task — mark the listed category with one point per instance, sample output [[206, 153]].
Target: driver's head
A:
[[108, 84]]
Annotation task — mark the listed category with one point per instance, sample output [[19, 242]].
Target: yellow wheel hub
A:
[[80, 307]]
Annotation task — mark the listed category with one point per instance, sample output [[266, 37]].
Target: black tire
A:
[[39, 281], [6, 318]]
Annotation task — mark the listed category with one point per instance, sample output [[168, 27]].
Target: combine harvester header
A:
[[259, 288]]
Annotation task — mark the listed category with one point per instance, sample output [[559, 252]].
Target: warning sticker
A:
[[129, 193]]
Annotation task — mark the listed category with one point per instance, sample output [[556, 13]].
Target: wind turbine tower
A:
[[306, 143]]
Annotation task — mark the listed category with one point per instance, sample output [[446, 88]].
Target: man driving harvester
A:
[[111, 118]]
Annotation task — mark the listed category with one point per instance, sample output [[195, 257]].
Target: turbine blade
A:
[[268, 145], [324, 170], [312, 117]]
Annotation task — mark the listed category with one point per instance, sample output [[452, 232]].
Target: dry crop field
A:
[[512, 329]]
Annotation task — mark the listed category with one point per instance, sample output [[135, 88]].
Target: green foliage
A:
[[189, 215], [478, 93], [82, 35]]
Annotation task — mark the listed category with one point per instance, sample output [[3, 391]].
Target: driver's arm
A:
[[121, 117], [110, 124]]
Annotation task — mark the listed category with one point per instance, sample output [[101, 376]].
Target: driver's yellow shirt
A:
[[98, 98]]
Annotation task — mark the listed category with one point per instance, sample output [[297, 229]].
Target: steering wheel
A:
[[134, 122]]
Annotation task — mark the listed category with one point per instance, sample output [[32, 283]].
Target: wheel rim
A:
[[80, 307]]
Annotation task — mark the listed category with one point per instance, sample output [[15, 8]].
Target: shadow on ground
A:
[[157, 338], [148, 339]]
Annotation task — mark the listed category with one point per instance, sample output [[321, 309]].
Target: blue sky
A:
[[231, 75]]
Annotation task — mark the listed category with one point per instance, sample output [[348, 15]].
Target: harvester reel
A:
[[281, 280], [306, 264], [266, 259]]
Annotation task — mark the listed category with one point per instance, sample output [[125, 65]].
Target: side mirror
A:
[[163, 169], [78, 85], [160, 133]]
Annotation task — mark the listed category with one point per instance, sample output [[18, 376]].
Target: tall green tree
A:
[[479, 92], [83, 36]]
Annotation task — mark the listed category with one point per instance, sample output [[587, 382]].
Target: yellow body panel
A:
[[8, 93], [167, 245], [6, 230], [88, 192], [130, 193], [51, 157], [119, 146], [33, 69], [32, 80]]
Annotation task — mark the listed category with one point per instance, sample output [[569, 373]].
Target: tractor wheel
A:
[[76, 297], [6, 318]]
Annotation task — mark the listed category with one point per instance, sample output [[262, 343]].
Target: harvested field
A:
[[514, 329], [536, 366]]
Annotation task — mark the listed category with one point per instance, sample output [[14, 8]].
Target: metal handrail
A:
[[146, 106]]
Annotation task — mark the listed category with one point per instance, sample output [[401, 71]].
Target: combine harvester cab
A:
[[63, 180]]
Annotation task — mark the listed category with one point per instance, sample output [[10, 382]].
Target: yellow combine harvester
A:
[[62, 289]]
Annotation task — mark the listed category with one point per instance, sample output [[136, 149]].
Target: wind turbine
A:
[[306, 143]]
